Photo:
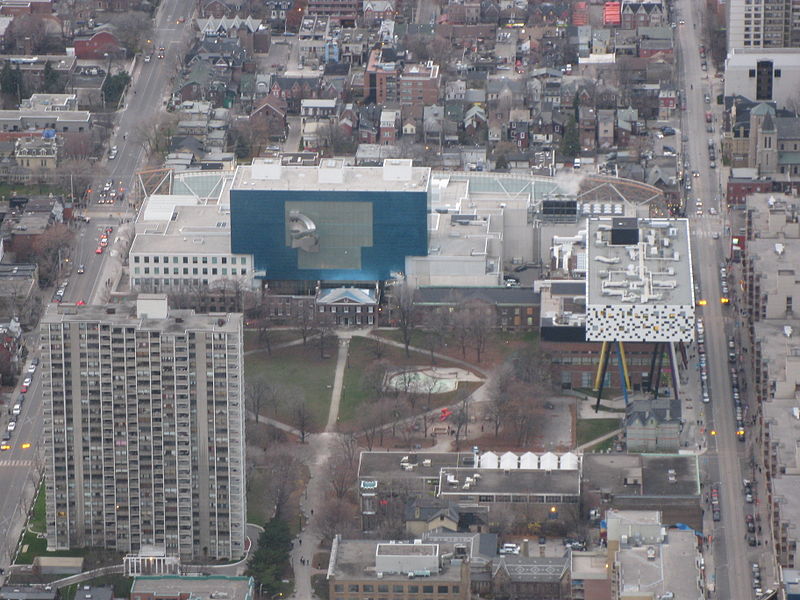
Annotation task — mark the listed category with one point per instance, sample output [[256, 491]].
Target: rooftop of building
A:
[[672, 570], [589, 565], [379, 465], [641, 475], [59, 62], [355, 560], [774, 216], [207, 587], [57, 115], [396, 175], [532, 569], [639, 262], [28, 592], [88, 592], [779, 343], [182, 225], [498, 481], [148, 313]]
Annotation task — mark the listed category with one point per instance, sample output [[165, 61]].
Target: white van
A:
[[576, 164]]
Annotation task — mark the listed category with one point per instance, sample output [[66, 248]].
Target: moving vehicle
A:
[[81, 270], [112, 154]]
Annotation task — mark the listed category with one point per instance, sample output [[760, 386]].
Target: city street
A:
[[21, 468], [726, 462]]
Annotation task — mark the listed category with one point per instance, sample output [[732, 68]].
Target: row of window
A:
[[223, 260], [397, 588], [177, 270]]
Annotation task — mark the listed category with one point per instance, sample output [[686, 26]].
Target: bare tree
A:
[[373, 379], [372, 422], [482, 319], [324, 327], [435, 325], [461, 417], [341, 475], [461, 329], [281, 478], [336, 516], [132, 30], [403, 307], [378, 348], [499, 396], [48, 251], [348, 449], [302, 417], [256, 390]]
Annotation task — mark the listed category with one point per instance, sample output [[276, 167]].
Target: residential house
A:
[[381, 76], [269, 118], [653, 424], [319, 108], [433, 124], [294, 88], [389, 126], [345, 12], [247, 30], [378, 10], [587, 128], [368, 124], [99, 45], [643, 13], [605, 128], [474, 119], [38, 154], [455, 90], [221, 8], [516, 308]]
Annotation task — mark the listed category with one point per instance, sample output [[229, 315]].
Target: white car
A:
[[112, 154], [12, 425], [26, 381], [31, 369], [16, 410], [509, 549]]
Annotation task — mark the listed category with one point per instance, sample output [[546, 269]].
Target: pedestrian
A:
[[299, 541], [312, 511]]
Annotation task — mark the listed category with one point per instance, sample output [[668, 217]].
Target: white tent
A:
[[569, 462], [509, 460], [548, 461], [489, 460], [529, 460]]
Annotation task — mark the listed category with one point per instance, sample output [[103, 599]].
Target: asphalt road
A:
[[728, 461], [21, 468]]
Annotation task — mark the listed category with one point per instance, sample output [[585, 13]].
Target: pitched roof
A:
[[273, 103], [212, 25], [355, 295], [523, 568]]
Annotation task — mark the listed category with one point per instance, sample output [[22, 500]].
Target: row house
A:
[[647, 13], [252, 37], [378, 10], [293, 89]]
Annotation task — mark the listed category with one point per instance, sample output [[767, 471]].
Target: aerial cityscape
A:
[[399, 300]]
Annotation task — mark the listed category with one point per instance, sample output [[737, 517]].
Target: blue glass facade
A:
[[329, 235]]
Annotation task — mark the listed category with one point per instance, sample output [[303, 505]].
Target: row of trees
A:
[[469, 324]]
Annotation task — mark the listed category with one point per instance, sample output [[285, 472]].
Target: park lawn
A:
[[38, 520], [303, 374], [38, 547], [500, 346], [276, 336], [362, 354], [591, 429]]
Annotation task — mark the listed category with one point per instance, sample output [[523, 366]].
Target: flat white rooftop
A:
[[396, 175], [639, 283]]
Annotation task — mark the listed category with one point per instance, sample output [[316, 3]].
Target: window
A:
[[367, 587], [338, 587], [442, 589], [136, 259], [353, 587], [224, 270], [214, 271], [224, 260], [777, 72], [185, 270], [456, 589], [136, 270], [155, 259], [413, 589], [186, 260], [174, 259], [427, 589], [788, 304], [146, 259], [233, 260], [213, 260], [751, 73], [383, 588], [194, 270], [397, 589], [147, 270], [205, 270], [205, 260]]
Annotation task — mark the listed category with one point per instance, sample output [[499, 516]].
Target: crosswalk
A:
[[16, 463]]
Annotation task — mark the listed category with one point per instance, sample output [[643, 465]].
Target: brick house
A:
[[270, 117], [97, 45]]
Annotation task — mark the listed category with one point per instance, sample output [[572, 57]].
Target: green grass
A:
[[500, 345], [591, 429], [277, 337], [301, 373], [602, 446], [38, 520], [37, 546], [362, 354]]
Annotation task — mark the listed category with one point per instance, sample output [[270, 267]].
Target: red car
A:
[[23, 389], [99, 250]]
